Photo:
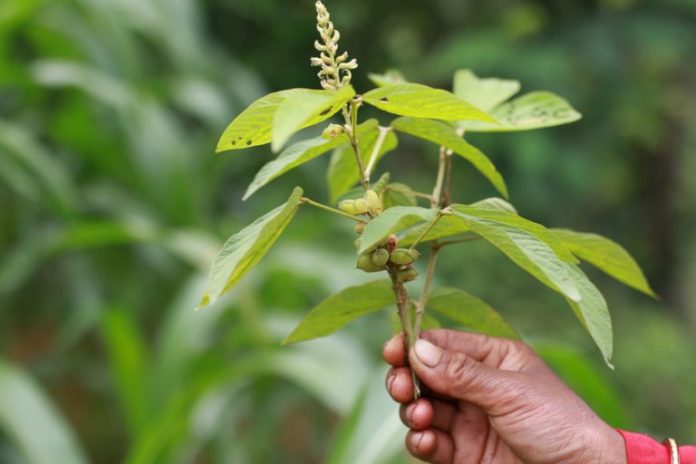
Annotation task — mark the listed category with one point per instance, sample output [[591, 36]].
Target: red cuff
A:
[[641, 449]]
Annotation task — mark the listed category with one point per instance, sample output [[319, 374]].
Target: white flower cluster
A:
[[335, 70]]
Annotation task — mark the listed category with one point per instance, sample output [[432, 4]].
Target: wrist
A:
[[611, 447]]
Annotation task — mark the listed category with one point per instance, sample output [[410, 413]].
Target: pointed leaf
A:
[[391, 221], [530, 111], [341, 308], [392, 76], [496, 204], [469, 311], [486, 93], [446, 226], [445, 135], [245, 249], [606, 255], [518, 222], [526, 250], [306, 108], [292, 157], [343, 172], [421, 101], [398, 195]]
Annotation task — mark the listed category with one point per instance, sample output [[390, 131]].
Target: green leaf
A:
[[392, 76], [518, 222], [592, 311], [530, 111], [245, 249], [254, 125], [445, 135], [292, 157], [341, 308], [495, 203], [32, 423], [469, 311], [486, 93], [525, 250], [446, 226], [306, 108], [398, 195], [421, 101], [391, 221], [343, 172], [606, 255]]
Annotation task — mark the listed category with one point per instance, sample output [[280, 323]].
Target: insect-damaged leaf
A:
[[445, 135], [484, 93], [245, 249], [391, 221], [421, 101], [341, 308], [606, 255]]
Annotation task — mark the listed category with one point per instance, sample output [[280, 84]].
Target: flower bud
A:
[[332, 131], [348, 206], [361, 206], [392, 242], [359, 228], [373, 201], [380, 257]]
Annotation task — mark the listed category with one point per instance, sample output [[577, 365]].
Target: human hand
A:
[[492, 400]]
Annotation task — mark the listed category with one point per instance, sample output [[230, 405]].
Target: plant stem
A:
[[383, 131], [420, 306], [403, 306], [437, 190], [350, 114], [330, 209], [425, 232]]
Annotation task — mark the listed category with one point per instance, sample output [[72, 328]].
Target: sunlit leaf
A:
[[496, 204], [341, 308], [398, 195], [392, 76], [392, 221], [533, 110], [446, 226], [243, 250], [32, 423], [469, 311], [606, 255], [525, 250], [445, 135], [484, 93], [305, 108], [343, 172], [421, 101], [254, 125]]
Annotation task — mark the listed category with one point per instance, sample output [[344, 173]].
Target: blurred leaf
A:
[[446, 136], [347, 429], [32, 423], [483, 93], [495, 203], [421, 101], [392, 76], [303, 152], [471, 312], [128, 359], [341, 308], [245, 249], [533, 110], [398, 195], [305, 108], [343, 172], [518, 222], [391, 221], [608, 256], [255, 124], [524, 249]]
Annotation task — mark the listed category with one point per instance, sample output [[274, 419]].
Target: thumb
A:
[[462, 377]]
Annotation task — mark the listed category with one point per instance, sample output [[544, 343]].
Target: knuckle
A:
[[459, 370]]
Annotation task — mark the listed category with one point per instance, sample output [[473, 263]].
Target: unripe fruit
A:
[[373, 201], [407, 275], [380, 257], [348, 206], [361, 206], [332, 131], [365, 263], [359, 228], [403, 256]]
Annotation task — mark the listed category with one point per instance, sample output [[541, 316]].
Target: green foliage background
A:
[[112, 206]]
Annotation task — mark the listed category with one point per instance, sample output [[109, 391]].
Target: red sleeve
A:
[[641, 449]]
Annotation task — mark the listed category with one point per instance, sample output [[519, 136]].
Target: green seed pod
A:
[[380, 257], [407, 275], [360, 205], [373, 201], [359, 228], [402, 256], [348, 206], [365, 263]]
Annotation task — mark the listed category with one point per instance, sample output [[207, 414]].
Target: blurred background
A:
[[112, 205]]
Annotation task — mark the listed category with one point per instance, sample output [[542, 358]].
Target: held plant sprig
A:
[[391, 219]]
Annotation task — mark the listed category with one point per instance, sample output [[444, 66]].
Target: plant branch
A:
[[420, 306], [308, 201]]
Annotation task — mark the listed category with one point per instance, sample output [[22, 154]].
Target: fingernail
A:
[[427, 353]]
